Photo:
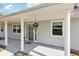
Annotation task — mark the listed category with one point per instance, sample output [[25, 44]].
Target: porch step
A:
[[46, 51], [34, 54]]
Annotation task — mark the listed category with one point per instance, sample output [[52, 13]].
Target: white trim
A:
[[25, 31], [67, 34], [6, 33], [22, 34], [33, 32], [58, 20], [34, 35]]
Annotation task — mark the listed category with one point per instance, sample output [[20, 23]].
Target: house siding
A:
[[11, 35], [74, 33], [44, 35]]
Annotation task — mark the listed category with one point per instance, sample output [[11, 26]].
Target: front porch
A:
[[44, 17], [14, 45], [34, 48]]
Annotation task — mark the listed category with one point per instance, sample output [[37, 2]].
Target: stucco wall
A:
[[44, 35], [75, 34]]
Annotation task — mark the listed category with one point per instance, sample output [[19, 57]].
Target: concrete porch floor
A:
[[14, 46]]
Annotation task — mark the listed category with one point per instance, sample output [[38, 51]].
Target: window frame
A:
[[62, 28], [16, 29]]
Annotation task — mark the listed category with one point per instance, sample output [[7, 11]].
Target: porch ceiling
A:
[[75, 14], [58, 11]]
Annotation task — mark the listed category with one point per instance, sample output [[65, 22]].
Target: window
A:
[[16, 28], [57, 28], [2, 28]]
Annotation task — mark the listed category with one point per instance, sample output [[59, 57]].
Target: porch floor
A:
[[14, 46]]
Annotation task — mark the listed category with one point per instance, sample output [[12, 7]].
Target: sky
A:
[[8, 8]]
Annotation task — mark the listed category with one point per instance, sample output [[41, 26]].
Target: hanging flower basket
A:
[[35, 25]]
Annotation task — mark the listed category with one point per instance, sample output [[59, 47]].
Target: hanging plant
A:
[[35, 25]]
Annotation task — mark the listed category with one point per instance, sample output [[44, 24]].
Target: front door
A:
[[29, 32]]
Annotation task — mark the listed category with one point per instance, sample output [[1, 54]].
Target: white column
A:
[[22, 34], [6, 33], [67, 34]]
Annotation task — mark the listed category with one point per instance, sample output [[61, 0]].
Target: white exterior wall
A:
[[10, 33], [75, 34], [44, 35]]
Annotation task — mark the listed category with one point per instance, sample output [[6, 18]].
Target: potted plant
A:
[[35, 25]]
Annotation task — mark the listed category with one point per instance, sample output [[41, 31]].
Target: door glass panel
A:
[[29, 32]]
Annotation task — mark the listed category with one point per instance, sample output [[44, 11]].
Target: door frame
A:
[[33, 33]]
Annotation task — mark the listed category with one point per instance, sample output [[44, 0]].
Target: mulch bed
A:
[[74, 53]]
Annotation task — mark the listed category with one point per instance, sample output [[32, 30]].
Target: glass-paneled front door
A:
[[29, 32]]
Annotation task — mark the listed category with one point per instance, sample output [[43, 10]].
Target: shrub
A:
[[2, 46], [20, 53]]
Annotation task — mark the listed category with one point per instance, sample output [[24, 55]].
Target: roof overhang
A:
[[48, 12]]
